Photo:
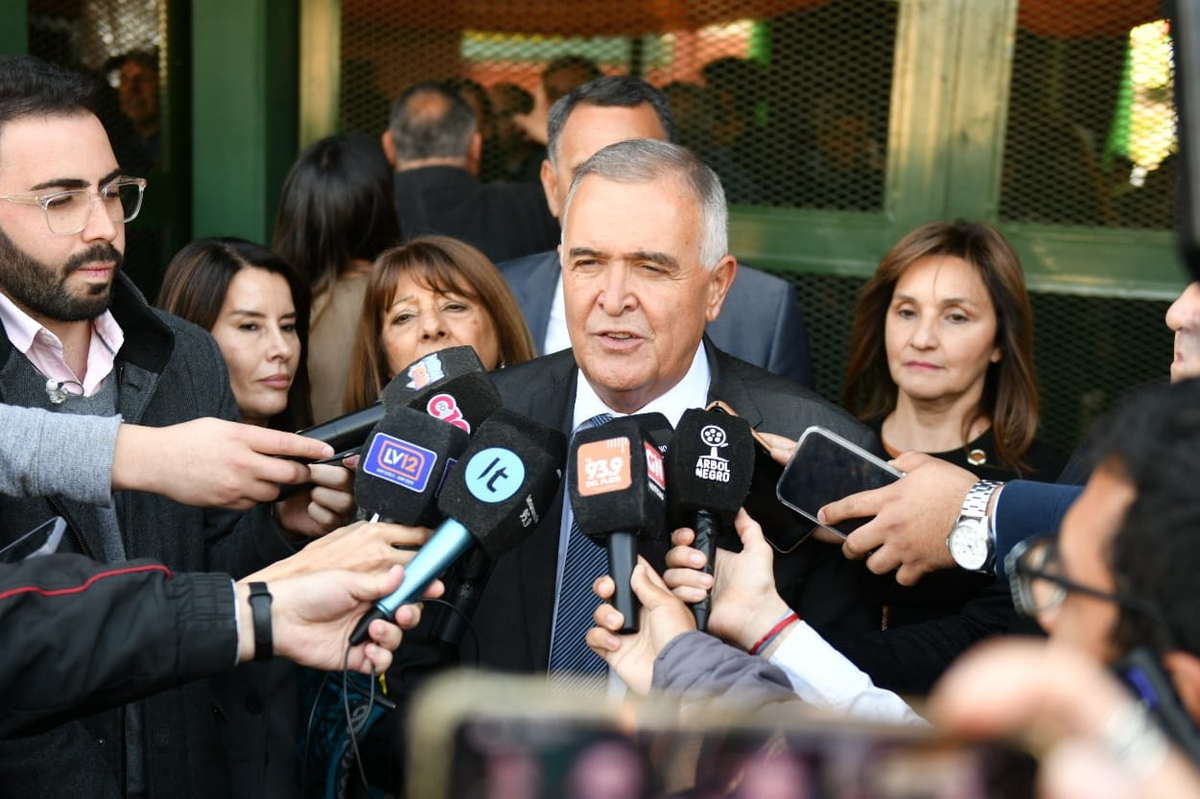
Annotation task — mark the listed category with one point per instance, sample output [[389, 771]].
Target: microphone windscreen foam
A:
[[429, 370], [404, 465], [615, 477], [449, 384], [464, 401], [710, 465], [505, 480]]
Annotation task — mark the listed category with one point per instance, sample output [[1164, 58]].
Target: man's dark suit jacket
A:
[[504, 220], [761, 322], [513, 619]]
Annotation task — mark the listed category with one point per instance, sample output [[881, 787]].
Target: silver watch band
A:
[[975, 504]]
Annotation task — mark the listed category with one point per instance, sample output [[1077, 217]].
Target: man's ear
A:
[[475, 154], [550, 187], [389, 147], [1184, 669], [720, 279]]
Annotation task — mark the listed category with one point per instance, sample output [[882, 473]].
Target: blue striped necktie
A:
[[572, 663]]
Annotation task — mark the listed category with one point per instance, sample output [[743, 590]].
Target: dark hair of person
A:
[[431, 120], [1010, 396], [1152, 439], [610, 91], [30, 86], [443, 265], [336, 207], [582, 65], [195, 286]]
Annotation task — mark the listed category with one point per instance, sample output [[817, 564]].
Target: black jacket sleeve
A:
[[80, 636]]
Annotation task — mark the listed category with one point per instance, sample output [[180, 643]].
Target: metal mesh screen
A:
[[790, 110], [789, 102], [1091, 123]]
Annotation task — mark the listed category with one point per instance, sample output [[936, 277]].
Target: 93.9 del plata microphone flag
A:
[[617, 486]]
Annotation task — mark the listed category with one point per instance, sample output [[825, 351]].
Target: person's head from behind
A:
[[946, 321], [593, 116], [565, 73], [480, 101], [697, 112], [428, 294], [1120, 575], [336, 209], [738, 82], [432, 124], [65, 202], [645, 267], [1184, 318], [843, 128], [256, 307], [508, 100]]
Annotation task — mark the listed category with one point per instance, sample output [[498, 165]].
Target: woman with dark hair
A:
[[942, 363], [335, 216], [429, 294], [942, 353], [256, 307]]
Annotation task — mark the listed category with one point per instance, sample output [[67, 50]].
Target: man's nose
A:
[[616, 294], [100, 225]]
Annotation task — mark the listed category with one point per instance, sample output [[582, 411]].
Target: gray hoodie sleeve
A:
[[696, 665], [44, 453]]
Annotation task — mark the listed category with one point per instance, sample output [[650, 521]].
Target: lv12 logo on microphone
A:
[[399, 462]]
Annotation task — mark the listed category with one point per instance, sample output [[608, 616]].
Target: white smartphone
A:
[[826, 467]]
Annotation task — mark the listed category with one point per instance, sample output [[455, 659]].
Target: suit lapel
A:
[[725, 385]]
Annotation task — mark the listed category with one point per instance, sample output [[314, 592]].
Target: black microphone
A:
[[617, 484], [449, 384], [494, 498], [420, 385], [710, 465], [408, 457]]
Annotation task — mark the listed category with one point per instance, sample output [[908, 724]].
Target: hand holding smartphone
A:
[[826, 467]]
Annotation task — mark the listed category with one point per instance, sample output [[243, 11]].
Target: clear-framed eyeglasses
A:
[[1039, 583], [67, 212]]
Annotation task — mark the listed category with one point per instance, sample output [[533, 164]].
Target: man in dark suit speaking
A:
[[645, 268], [761, 323]]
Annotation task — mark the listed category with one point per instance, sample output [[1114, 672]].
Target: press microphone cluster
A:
[[709, 465], [617, 487], [505, 480], [450, 384]]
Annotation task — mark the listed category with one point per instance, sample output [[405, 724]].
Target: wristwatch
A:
[[970, 542]]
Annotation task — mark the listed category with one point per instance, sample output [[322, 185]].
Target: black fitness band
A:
[[260, 610]]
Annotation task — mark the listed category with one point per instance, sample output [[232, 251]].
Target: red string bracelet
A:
[[774, 631]]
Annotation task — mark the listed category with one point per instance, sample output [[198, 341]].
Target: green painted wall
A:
[[244, 112], [14, 33]]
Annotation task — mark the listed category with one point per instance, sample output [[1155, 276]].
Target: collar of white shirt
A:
[[690, 392], [45, 351], [557, 337]]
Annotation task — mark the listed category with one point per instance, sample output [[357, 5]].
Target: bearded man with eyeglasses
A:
[[79, 338]]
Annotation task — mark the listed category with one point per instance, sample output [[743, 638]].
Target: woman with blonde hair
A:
[[432, 293]]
